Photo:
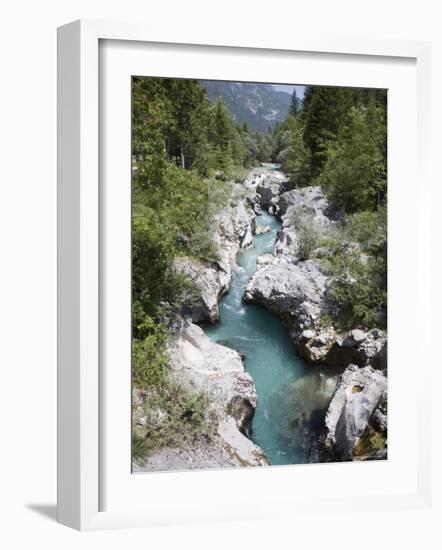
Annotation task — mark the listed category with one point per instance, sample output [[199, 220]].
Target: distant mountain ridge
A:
[[260, 105]]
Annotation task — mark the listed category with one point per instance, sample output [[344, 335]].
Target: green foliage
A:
[[325, 110], [265, 147], [180, 142], [150, 359], [152, 255], [291, 151], [338, 140], [185, 203], [306, 233], [152, 116], [176, 417], [377, 441], [359, 292], [359, 270], [174, 121], [354, 174], [295, 106], [370, 442], [138, 448]]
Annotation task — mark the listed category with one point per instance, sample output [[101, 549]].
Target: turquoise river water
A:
[[292, 396]]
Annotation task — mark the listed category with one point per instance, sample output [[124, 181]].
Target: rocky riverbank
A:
[[297, 289], [234, 227], [207, 368]]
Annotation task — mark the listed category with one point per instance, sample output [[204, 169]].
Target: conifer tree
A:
[[354, 174], [294, 104]]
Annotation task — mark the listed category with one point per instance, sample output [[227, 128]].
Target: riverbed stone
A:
[[358, 393], [318, 347], [286, 242], [261, 229], [353, 338], [257, 209], [211, 281], [308, 334], [358, 335], [247, 239], [267, 190], [265, 259], [375, 333], [374, 353], [311, 199], [293, 291]]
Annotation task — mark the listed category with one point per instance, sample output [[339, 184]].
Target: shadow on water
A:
[[292, 396]]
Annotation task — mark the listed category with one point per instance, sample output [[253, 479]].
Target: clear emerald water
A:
[[289, 391]]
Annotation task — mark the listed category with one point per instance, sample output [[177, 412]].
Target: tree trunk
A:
[[183, 164]]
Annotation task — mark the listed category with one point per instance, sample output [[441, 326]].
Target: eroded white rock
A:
[[206, 367], [358, 392]]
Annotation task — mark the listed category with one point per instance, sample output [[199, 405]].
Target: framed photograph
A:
[[232, 222]]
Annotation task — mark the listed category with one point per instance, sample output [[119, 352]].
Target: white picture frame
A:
[[80, 395]]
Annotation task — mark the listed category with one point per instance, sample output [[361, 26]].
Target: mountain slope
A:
[[260, 105]]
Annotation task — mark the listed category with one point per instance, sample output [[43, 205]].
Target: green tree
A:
[[324, 109], [354, 175], [152, 123], [359, 271], [294, 104], [186, 97], [292, 153]]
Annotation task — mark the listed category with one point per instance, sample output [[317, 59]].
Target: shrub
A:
[[359, 291], [359, 270], [369, 443], [176, 417], [307, 233], [138, 448], [185, 416], [150, 358]]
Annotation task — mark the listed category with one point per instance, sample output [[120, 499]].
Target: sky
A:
[[289, 89]]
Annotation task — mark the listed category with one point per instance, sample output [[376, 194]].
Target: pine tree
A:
[[294, 104], [354, 175], [185, 96], [324, 111]]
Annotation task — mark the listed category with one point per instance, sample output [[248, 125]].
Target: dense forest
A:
[[337, 138], [186, 151]]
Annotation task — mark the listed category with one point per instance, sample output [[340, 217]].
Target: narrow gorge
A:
[[289, 392], [284, 388], [259, 274]]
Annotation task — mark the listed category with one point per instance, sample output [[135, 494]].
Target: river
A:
[[292, 396]]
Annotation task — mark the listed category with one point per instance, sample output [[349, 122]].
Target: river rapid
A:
[[292, 396]]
